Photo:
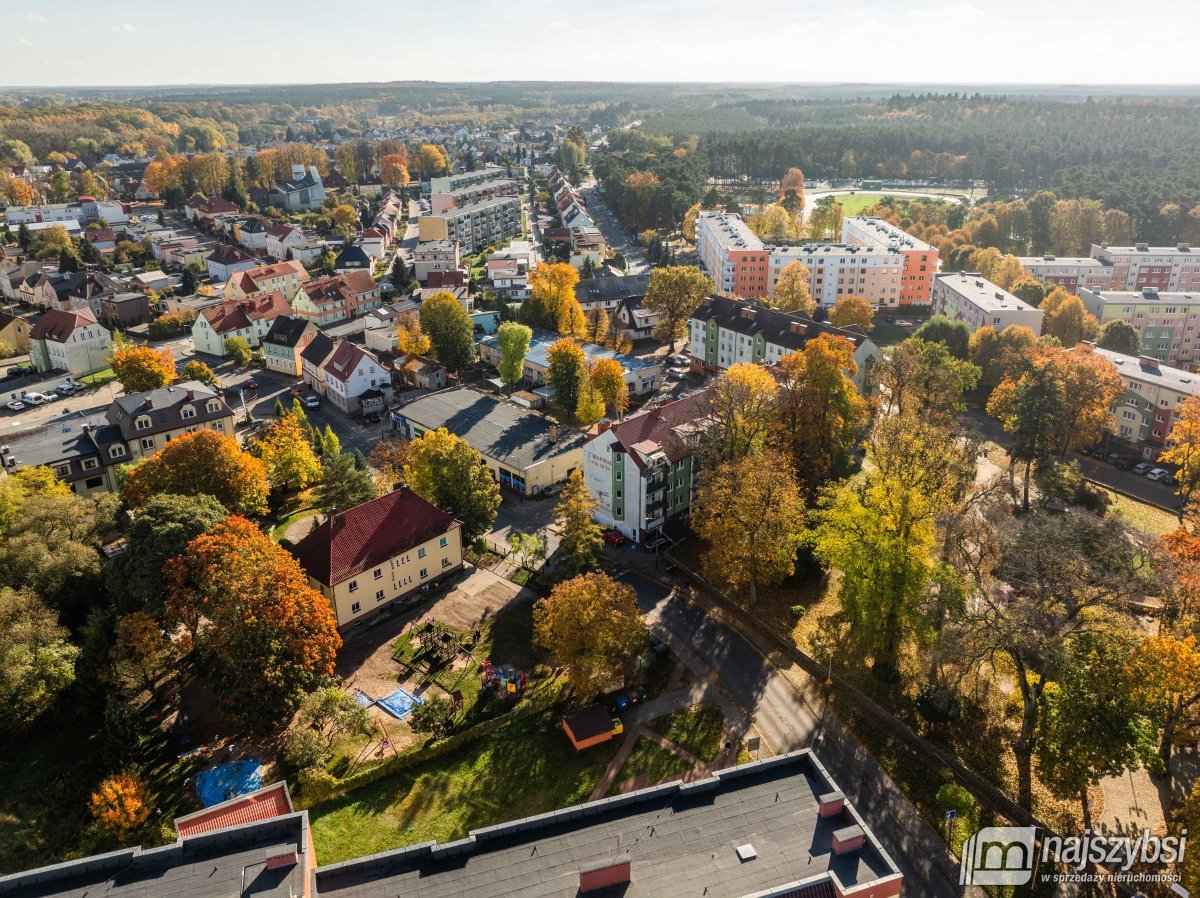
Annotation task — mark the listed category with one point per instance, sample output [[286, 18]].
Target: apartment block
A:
[[1171, 269], [1150, 407], [462, 180], [477, 225], [1072, 273], [1166, 322], [977, 302], [836, 270], [725, 331], [732, 255], [472, 193], [920, 259], [435, 255]]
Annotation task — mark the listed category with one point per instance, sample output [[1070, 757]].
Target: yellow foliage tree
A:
[[791, 290], [852, 310], [410, 339], [121, 805], [140, 368], [285, 450]]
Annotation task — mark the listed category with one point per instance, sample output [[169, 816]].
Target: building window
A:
[[421, 552], [116, 451], [62, 470], [378, 573], [424, 573], [445, 562], [442, 542], [354, 586], [379, 595], [355, 608], [147, 442], [90, 464], [188, 412], [142, 424]]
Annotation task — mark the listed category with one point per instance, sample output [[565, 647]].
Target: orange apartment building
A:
[[920, 260]]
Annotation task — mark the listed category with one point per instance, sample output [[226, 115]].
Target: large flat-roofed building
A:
[[724, 331], [462, 180], [641, 375], [476, 225], [977, 302], [1150, 408], [836, 270], [1165, 322], [525, 451], [435, 255], [920, 259], [732, 255], [772, 828], [1170, 269], [472, 193], [1072, 273]]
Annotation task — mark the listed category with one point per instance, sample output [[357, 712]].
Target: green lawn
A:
[[696, 730], [650, 759], [98, 378], [885, 335], [527, 767], [1146, 518], [854, 203]]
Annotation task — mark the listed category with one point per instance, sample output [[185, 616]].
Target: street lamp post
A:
[[827, 686]]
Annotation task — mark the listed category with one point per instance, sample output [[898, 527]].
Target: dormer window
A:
[[188, 412], [214, 405], [142, 423], [116, 451]]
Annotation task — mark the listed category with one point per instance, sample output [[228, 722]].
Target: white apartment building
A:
[[1168, 269], [477, 225], [836, 270], [976, 301], [1072, 273], [70, 341]]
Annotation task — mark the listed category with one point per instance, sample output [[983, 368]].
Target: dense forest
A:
[[1130, 153]]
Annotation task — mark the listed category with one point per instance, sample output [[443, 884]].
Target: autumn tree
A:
[[688, 226], [1066, 319], [285, 450], [551, 295], [202, 463], [1120, 336], [140, 368], [923, 378], [1184, 452], [997, 355], [387, 459], [580, 541], [393, 169], [596, 325], [37, 659], [740, 412], [141, 653], [852, 311], [791, 290], [513, 340], [121, 805], [410, 339], [591, 626], [450, 330], [198, 371], [954, 334], [751, 517], [607, 378], [238, 350], [566, 372], [673, 293], [432, 159], [263, 635], [1167, 671], [443, 469], [332, 713], [819, 411]]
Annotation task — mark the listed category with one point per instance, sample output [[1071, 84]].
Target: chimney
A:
[[831, 803], [553, 433], [297, 172], [847, 839], [1148, 362], [599, 876]]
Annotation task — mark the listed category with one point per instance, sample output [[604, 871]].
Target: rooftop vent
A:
[[1184, 248], [1142, 247], [746, 852], [848, 839]]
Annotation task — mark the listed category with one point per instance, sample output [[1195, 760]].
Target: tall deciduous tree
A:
[[792, 291], [741, 412], [1184, 452], [567, 372], [513, 340], [551, 293], [607, 377], [202, 463], [443, 469], [820, 413], [1066, 319], [852, 311], [580, 541], [450, 330], [750, 514], [141, 368], [954, 334], [410, 339], [673, 293], [198, 371], [1119, 336], [591, 626], [121, 804], [37, 660], [285, 450], [924, 378], [264, 634]]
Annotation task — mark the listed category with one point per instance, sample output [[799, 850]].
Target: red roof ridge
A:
[[270, 801]]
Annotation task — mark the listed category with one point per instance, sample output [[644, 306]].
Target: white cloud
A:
[[25, 42], [123, 28], [35, 18]]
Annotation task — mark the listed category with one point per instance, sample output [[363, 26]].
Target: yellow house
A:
[[385, 550], [14, 332]]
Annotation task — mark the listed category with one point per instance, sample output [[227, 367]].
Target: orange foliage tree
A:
[[265, 635], [142, 368], [121, 805], [202, 463], [393, 168]]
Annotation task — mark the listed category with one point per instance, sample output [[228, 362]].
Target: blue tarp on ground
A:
[[399, 704], [227, 781], [363, 699]]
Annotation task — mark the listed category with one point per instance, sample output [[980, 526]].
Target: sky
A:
[[150, 42]]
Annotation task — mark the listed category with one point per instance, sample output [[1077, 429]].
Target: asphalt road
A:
[[615, 235]]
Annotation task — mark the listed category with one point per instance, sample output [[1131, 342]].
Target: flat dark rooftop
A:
[[680, 840], [221, 864]]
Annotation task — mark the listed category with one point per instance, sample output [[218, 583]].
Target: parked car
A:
[[1157, 474], [250, 384], [16, 405], [614, 537], [1142, 467], [312, 401], [1114, 456], [66, 388], [33, 398], [676, 374], [52, 396], [655, 543], [1169, 479], [1122, 463], [679, 361]]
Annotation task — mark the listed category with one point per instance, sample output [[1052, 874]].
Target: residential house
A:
[[353, 258], [124, 310], [148, 421], [14, 332], [356, 380], [155, 280], [69, 341], [383, 551], [251, 233], [103, 239], [312, 361], [642, 471], [290, 242], [15, 275], [337, 298], [435, 255], [420, 373], [724, 331], [526, 452], [285, 341], [278, 277], [248, 318], [226, 260], [302, 193], [80, 290], [209, 212], [84, 453]]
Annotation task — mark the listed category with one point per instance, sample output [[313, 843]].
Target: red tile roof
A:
[[57, 325], [273, 801], [648, 432], [229, 255], [236, 314], [370, 534], [359, 281], [265, 272], [345, 359]]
